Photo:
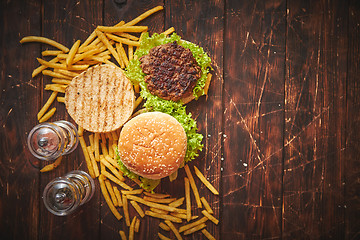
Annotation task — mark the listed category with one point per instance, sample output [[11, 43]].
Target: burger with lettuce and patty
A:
[[170, 72]]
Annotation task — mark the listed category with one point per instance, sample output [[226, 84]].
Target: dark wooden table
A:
[[280, 124]]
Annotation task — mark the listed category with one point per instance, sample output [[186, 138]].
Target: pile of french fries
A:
[[116, 45], [100, 157]]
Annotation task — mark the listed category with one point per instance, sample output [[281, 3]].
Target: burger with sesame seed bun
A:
[[152, 145]]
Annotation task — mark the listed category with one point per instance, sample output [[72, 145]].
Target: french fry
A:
[[107, 198], [51, 53], [96, 147], [123, 40], [47, 115], [210, 217], [206, 205], [72, 52], [61, 65], [47, 105], [122, 235], [102, 166], [93, 161], [123, 54], [173, 176], [44, 40], [114, 147], [143, 16], [207, 234], [90, 38], [118, 49], [137, 208], [114, 179], [156, 195], [91, 141], [106, 42], [80, 131], [173, 228], [114, 164], [132, 228], [114, 136], [87, 157], [169, 31], [163, 216], [151, 204], [55, 75], [103, 53], [207, 83], [111, 192], [119, 24], [118, 196], [159, 200], [136, 191], [52, 166], [126, 210], [164, 226], [137, 225], [109, 62], [61, 81], [205, 182], [108, 136], [177, 203], [194, 229], [43, 67], [86, 55], [137, 88], [193, 186], [60, 99], [55, 87], [188, 200], [112, 161], [103, 138], [179, 215], [162, 237], [193, 224], [110, 151], [127, 35], [68, 73], [137, 102], [130, 52], [122, 29], [158, 210], [104, 149]]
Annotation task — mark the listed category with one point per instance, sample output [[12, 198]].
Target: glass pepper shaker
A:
[[64, 195], [48, 141]]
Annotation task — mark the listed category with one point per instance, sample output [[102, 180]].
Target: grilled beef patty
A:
[[172, 71]]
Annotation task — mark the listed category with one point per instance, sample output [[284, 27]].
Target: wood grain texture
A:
[[280, 123], [253, 127], [352, 149], [66, 22], [19, 180], [314, 129]]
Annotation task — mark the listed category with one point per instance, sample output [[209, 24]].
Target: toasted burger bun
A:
[[100, 99], [152, 145]]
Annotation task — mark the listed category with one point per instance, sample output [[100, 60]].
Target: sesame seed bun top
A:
[[152, 145]]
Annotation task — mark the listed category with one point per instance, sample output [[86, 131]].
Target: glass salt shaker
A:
[[64, 195], [48, 141]]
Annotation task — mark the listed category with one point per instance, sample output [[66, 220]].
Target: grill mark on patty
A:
[[172, 71]]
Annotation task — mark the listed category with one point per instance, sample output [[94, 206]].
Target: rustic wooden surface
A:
[[280, 124]]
